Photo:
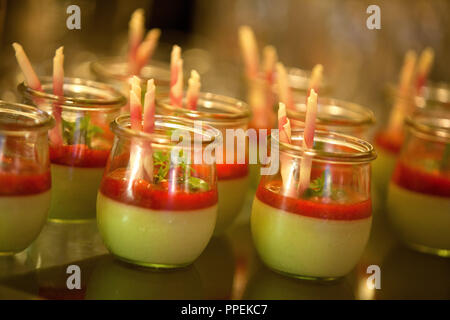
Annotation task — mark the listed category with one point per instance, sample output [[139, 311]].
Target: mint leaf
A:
[[81, 131], [198, 184]]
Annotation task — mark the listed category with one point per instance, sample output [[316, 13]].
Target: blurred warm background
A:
[[358, 61]]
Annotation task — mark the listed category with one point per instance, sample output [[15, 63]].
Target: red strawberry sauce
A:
[[140, 192], [78, 155], [310, 208]]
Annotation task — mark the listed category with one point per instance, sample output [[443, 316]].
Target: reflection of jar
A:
[[322, 232], [155, 209], [335, 116], [114, 71], [24, 175], [222, 113], [79, 143], [419, 193], [114, 280], [434, 95]]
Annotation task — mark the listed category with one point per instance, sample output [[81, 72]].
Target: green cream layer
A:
[[382, 169], [74, 192], [21, 220], [154, 237], [232, 194], [420, 219], [307, 247]]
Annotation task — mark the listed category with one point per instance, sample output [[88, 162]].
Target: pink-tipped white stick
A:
[[284, 125], [149, 107], [287, 169], [249, 50], [174, 57], [423, 68], [284, 90], [308, 141], [136, 31], [270, 59], [146, 49], [401, 105], [176, 90], [316, 78], [135, 104], [31, 78], [58, 90], [193, 90]]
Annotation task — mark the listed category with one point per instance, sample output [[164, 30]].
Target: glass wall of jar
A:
[[157, 204], [225, 114], [79, 143], [315, 230], [24, 175], [419, 192], [115, 72]]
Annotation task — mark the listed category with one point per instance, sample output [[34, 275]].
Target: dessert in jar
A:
[[25, 181], [418, 200]]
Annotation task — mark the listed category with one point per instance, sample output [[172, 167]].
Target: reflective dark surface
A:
[[228, 269]]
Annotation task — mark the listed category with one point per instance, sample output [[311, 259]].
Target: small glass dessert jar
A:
[[79, 144], [114, 71], [225, 114], [320, 233], [335, 116], [24, 175], [155, 209], [419, 193]]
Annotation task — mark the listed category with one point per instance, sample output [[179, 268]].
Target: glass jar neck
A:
[[430, 125], [79, 94], [21, 119]]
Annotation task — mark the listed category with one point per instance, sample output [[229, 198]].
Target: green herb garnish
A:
[[318, 188], [81, 131]]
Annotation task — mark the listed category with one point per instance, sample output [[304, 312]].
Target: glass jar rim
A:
[[107, 97], [364, 152], [35, 119], [349, 114], [117, 68], [434, 124], [122, 126], [238, 111]]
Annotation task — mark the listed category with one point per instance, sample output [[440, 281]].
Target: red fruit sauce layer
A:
[[78, 155], [13, 184], [231, 171], [309, 208], [389, 142], [414, 179], [141, 193]]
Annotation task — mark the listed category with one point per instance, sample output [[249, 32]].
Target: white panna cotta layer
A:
[[305, 246], [154, 237]]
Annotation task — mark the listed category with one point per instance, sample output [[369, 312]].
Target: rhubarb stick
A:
[[193, 90], [249, 50], [316, 78], [270, 58], [58, 90], [174, 57], [287, 169], [149, 107], [423, 68], [401, 105], [135, 104], [176, 90], [31, 78], [146, 49], [149, 124], [284, 91], [135, 35], [308, 141]]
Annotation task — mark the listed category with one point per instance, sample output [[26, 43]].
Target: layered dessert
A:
[[24, 205], [310, 238], [419, 207], [154, 225]]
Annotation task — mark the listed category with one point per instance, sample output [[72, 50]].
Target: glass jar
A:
[[223, 113], [419, 192], [24, 175], [114, 71], [155, 209], [79, 144], [320, 233]]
